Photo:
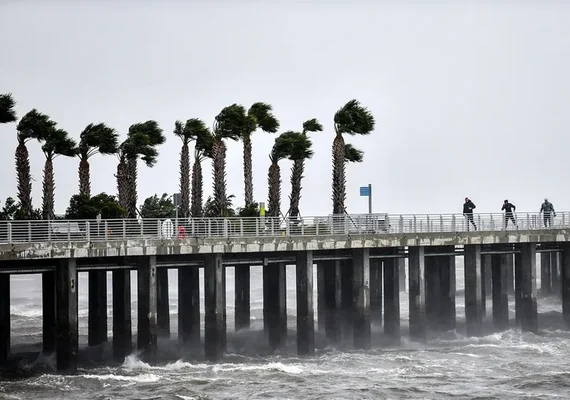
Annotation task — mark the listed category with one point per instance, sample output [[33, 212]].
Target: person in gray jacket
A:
[[547, 209]]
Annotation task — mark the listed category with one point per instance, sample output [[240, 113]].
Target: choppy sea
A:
[[506, 365]]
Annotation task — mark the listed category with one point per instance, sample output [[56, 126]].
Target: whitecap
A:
[[142, 378]]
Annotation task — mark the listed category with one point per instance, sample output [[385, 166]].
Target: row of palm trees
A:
[[234, 122]]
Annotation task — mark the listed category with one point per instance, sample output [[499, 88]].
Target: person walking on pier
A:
[[509, 209], [547, 209], [468, 207]]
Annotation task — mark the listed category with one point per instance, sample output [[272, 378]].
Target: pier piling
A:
[[48, 312], [565, 282], [189, 305], [97, 318], [122, 320], [545, 274], [66, 314], [376, 291], [214, 303], [305, 313], [473, 290], [500, 293], [162, 304], [361, 298], [333, 294], [417, 293], [392, 299], [529, 317], [147, 331], [242, 297], [4, 318]]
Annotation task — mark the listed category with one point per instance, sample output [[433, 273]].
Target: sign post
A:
[[366, 191]]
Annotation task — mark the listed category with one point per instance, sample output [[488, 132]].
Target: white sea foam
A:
[[272, 366], [141, 378]]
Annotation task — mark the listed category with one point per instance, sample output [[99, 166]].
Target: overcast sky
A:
[[471, 98]]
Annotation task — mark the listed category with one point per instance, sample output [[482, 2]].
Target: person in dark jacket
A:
[[468, 207], [509, 209], [548, 212]]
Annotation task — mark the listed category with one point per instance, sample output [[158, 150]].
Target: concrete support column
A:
[[361, 298], [392, 299], [305, 312], [242, 297], [555, 273], [529, 315], [545, 274], [487, 275], [507, 260], [333, 301], [565, 283], [346, 298], [447, 320], [518, 288], [66, 314], [433, 291], [122, 325], [48, 312], [500, 294], [417, 293], [376, 291], [4, 318], [97, 319], [214, 334], [147, 308], [189, 305], [473, 290], [224, 310], [162, 303], [321, 295], [402, 274], [275, 304]]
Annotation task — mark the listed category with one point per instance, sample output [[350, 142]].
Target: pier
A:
[[362, 264]]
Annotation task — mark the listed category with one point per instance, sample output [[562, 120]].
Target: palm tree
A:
[[7, 108], [259, 115], [202, 150], [353, 119], [56, 142], [229, 124], [141, 141], [33, 125], [94, 139], [191, 130], [281, 149], [298, 156]]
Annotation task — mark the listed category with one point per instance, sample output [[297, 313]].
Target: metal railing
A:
[[360, 224]]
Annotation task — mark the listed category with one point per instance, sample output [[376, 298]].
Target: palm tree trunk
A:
[[48, 191], [132, 184], [122, 184], [296, 177], [339, 178], [274, 190], [24, 179], [84, 178], [219, 172], [196, 209], [185, 180], [247, 170]]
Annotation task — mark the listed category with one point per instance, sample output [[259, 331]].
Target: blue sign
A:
[[365, 190]]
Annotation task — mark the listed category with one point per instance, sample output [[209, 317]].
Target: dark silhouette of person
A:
[[468, 207], [548, 212], [509, 208]]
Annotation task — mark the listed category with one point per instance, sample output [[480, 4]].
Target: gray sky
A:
[[471, 98]]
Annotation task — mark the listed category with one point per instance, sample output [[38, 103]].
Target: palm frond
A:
[[352, 154], [58, 142], [312, 125], [264, 117], [7, 111], [354, 119], [299, 146], [98, 138], [231, 122], [34, 125]]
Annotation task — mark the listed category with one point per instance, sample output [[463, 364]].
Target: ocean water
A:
[[505, 365]]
